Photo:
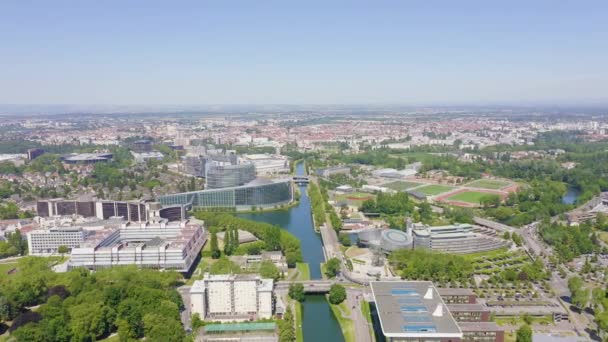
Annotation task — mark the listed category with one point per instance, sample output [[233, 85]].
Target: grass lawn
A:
[[355, 197], [346, 324], [299, 331], [488, 184], [603, 236], [488, 254], [323, 275], [434, 189], [469, 197], [367, 313], [304, 271], [5, 268], [401, 185], [355, 251]]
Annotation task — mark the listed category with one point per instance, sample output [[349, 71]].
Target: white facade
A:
[[268, 164], [232, 297], [47, 241], [173, 247]]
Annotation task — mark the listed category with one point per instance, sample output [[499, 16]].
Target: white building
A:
[[230, 297], [267, 163], [47, 241], [159, 246], [142, 157]]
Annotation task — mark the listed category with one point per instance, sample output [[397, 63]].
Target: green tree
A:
[[524, 334], [337, 294], [236, 239], [6, 311], [215, 250], [575, 284], [89, 321], [597, 297], [159, 328], [296, 292], [228, 242], [62, 249], [269, 270], [580, 298], [332, 267]]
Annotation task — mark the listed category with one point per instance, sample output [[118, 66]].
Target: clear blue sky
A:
[[312, 52]]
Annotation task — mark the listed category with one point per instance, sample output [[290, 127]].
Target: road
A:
[[184, 291], [363, 330]]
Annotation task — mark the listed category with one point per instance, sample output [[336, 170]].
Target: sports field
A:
[[488, 184], [468, 196], [432, 190], [401, 185], [355, 197]]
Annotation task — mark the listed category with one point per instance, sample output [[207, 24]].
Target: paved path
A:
[[362, 328]]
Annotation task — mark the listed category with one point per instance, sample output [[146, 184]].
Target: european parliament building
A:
[[257, 193]]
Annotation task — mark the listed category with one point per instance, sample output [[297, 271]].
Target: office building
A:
[[86, 158], [132, 211], [266, 164], [48, 241], [417, 311], [227, 176], [162, 245], [141, 146], [142, 157], [230, 297], [259, 193], [194, 165], [34, 153]]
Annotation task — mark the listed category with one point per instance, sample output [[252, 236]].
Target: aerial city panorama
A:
[[273, 171]]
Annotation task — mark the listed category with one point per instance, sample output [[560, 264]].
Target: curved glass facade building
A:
[[226, 176], [240, 197]]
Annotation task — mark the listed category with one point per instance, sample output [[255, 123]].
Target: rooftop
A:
[[413, 309]]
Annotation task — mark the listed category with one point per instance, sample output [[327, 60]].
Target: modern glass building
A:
[[258, 193], [226, 176]]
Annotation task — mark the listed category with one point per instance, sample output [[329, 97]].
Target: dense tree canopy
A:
[[80, 306], [274, 238], [420, 264]]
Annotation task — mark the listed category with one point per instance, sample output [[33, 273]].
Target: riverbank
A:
[[343, 313]]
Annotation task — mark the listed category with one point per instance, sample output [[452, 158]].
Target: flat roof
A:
[[413, 309], [234, 327]]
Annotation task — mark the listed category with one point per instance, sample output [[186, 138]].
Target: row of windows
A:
[[268, 194]]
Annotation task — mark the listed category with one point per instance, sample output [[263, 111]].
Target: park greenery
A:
[[82, 306], [272, 238], [569, 242], [332, 267], [14, 244], [296, 292], [524, 334], [420, 264], [317, 203], [287, 328], [337, 294]]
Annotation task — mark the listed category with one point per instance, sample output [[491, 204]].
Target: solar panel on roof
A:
[[419, 328], [413, 308], [403, 292], [417, 318], [409, 300]]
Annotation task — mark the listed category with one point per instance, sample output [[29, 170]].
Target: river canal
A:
[[319, 324]]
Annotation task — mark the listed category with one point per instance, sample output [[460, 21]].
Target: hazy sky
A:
[[254, 51]]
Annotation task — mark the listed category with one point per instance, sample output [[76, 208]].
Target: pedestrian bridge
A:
[[301, 179], [310, 286]]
